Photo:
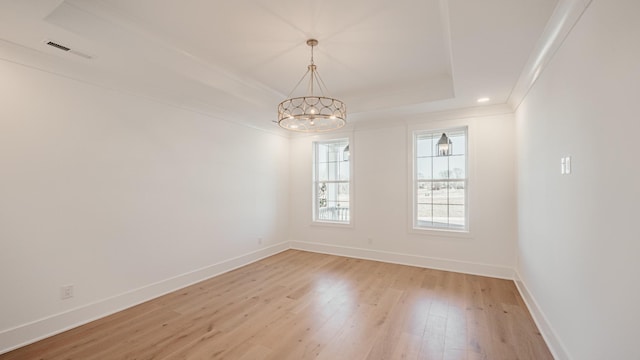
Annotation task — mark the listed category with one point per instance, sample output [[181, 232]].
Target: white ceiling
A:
[[238, 59]]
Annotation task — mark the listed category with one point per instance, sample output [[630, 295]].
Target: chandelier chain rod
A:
[[321, 84], [311, 78], [312, 46], [298, 84], [313, 68]]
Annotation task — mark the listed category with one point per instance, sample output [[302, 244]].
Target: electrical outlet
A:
[[66, 292], [369, 241], [260, 241]]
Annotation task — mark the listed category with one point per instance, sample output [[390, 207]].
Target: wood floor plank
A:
[[302, 305]]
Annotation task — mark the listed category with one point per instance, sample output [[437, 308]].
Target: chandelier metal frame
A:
[[312, 113]]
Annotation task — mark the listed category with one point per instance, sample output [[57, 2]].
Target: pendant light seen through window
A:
[[444, 146]]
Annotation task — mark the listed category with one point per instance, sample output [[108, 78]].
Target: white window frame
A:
[[413, 134], [314, 182]]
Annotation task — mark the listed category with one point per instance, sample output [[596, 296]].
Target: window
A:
[[440, 182], [331, 181]]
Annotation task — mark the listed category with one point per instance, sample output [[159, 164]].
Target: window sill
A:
[[435, 232], [331, 224]]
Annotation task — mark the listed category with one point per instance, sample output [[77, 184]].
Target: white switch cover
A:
[[66, 292], [562, 165], [567, 165]]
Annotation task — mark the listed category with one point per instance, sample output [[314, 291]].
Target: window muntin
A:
[[440, 183], [331, 183]]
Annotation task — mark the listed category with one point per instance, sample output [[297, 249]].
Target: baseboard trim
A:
[[495, 271], [553, 342], [25, 334]]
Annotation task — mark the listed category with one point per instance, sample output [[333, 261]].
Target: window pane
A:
[[423, 193], [424, 213], [331, 207], [441, 214], [333, 202], [459, 143], [343, 192], [456, 215], [321, 195], [423, 170], [333, 170], [333, 213], [457, 167], [456, 193], [441, 167], [322, 153], [332, 192], [323, 172], [440, 193], [336, 150], [344, 170], [424, 146], [341, 155]]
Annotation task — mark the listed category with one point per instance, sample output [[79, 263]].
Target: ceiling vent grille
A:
[[56, 45], [67, 49]]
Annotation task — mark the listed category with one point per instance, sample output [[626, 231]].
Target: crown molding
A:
[[565, 16]]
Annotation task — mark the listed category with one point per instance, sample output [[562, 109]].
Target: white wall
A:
[[124, 198], [381, 163], [578, 240]]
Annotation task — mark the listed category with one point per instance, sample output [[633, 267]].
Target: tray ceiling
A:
[[237, 59]]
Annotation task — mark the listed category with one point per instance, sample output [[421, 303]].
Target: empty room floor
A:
[[302, 305]]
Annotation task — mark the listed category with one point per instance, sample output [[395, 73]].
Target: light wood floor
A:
[[301, 305]]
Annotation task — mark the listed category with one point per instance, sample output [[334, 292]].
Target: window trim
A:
[[412, 133], [314, 155]]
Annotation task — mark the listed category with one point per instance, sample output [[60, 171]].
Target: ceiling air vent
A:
[[67, 49], [55, 45]]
